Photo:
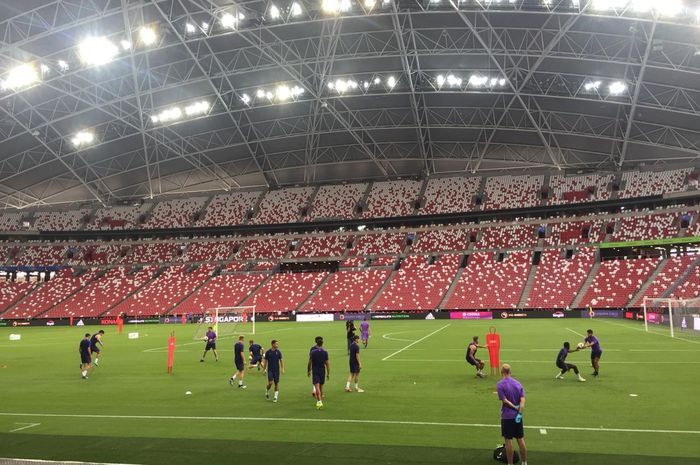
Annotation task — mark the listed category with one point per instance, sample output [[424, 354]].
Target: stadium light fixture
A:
[[197, 108], [231, 21], [20, 77], [477, 80], [617, 87], [147, 36], [125, 44], [370, 4], [377, 81], [260, 93], [205, 26], [335, 6], [62, 65], [190, 28], [167, 115], [502, 82], [365, 84], [97, 50], [440, 80], [391, 82], [593, 85], [296, 9], [642, 6], [453, 80], [274, 12], [669, 7], [44, 69], [83, 138], [283, 93], [245, 98]]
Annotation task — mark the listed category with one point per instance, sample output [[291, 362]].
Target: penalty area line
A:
[[575, 332], [415, 342], [339, 421]]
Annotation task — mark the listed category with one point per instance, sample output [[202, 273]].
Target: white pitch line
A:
[[27, 426], [545, 361], [158, 349], [386, 336], [62, 462], [650, 332], [576, 333], [415, 342], [340, 421]]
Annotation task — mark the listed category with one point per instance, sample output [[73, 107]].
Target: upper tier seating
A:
[[11, 292], [418, 285], [487, 283], [671, 270], [282, 205], [647, 227], [284, 291], [504, 192], [386, 260], [225, 290], [175, 213], [450, 195], [152, 252], [507, 237], [106, 254], [558, 279], [162, 293], [617, 281], [579, 188], [442, 241], [690, 287], [210, 251], [50, 293], [69, 220], [349, 290], [117, 217], [10, 221], [325, 246], [391, 198], [378, 244], [571, 232], [646, 183], [229, 209], [99, 295], [353, 262], [268, 248], [336, 201], [36, 255]]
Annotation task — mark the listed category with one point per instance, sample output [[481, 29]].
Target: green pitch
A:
[[422, 403]]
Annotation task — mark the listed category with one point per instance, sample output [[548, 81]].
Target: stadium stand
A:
[[10, 221], [488, 283], [152, 252], [646, 183], [11, 292], [378, 244], [442, 241], [117, 217], [579, 188], [558, 279], [669, 272], [229, 209], [336, 202], [617, 281], [66, 220], [323, 246], [284, 291], [103, 254], [504, 192], [503, 237], [642, 227], [282, 205], [689, 288], [225, 290], [572, 232], [391, 198], [37, 255], [210, 251], [265, 248], [349, 290], [450, 195], [175, 213]]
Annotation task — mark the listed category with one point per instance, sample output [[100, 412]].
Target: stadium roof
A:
[[117, 99]]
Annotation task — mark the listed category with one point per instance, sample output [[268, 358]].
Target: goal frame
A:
[[216, 312], [669, 303]]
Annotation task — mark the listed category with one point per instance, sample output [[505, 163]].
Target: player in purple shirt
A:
[[596, 352], [320, 369], [211, 344], [364, 332], [512, 397]]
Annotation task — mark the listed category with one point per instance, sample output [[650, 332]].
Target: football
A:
[[581, 345]]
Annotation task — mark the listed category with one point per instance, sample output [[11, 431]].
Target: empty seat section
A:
[[282, 205], [10, 221], [11, 292], [209, 251], [336, 202], [378, 244], [69, 220], [504, 192], [353, 262], [671, 270], [175, 213], [391, 198], [264, 248], [118, 217], [644, 227], [349, 290], [225, 290], [152, 252], [442, 241], [487, 283], [571, 232], [35, 255], [450, 195], [96, 254], [284, 291], [558, 279], [579, 188], [505, 237], [418, 285], [643, 184], [325, 246], [617, 281], [690, 287], [228, 209]]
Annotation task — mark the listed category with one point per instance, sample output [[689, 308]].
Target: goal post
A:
[[226, 321], [679, 316]]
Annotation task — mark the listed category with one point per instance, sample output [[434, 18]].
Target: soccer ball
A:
[[581, 345]]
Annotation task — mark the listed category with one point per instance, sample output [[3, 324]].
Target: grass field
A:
[[422, 403]]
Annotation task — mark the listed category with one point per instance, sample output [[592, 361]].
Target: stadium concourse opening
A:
[[335, 231]]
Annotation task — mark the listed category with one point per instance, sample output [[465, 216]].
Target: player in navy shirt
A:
[[563, 366], [596, 352], [471, 356], [239, 361], [320, 369], [256, 354], [355, 365], [94, 349], [211, 344], [318, 338], [273, 365], [85, 359]]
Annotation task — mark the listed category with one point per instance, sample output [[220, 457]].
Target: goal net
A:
[[677, 317], [226, 321]]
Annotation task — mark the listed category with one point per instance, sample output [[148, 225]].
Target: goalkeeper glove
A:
[[516, 407], [519, 418]]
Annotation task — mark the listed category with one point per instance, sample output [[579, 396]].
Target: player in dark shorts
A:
[[255, 352], [211, 344], [313, 388], [273, 365], [239, 361], [596, 352], [350, 332], [512, 397], [471, 356], [85, 359], [318, 370], [563, 366], [96, 340], [355, 366]]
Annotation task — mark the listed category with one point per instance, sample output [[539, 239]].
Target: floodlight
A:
[[21, 76], [452, 80], [477, 80], [440, 80], [269, 95], [669, 7], [229, 21], [391, 82], [167, 115], [365, 85], [377, 80], [283, 93], [593, 85], [335, 6], [296, 9], [197, 108], [83, 138], [97, 51], [502, 82], [274, 12], [245, 98], [190, 29], [125, 44], [341, 86], [296, 90], [44, 69], [147, 35], [331, 85], [369, 4], [260, 93], [205, 26], [617, 87], [63, 65], [609, 4]]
